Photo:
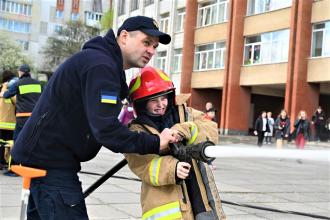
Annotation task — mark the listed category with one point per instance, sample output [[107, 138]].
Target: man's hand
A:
[[182, 170], [168, 136]]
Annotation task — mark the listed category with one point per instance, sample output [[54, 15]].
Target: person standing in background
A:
[[208, 106], [282, 129], [302, 130], [27, 92], [261, 127], [7, 114], [318, 119], [328, 128], [269, 134], [127, 113]]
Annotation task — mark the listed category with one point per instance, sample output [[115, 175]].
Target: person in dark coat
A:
[[318, 119], [282, 129], [261, 126], [77, 114], [302, 130]]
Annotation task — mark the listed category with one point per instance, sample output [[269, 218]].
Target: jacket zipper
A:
[[35, 128]]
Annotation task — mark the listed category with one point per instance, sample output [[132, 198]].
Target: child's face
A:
[[157, 106], [211, 114]]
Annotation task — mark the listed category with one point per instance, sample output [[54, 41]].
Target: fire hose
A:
[[207, 151]]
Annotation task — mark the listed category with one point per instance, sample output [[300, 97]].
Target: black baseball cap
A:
[[145, 24], [24, 68]]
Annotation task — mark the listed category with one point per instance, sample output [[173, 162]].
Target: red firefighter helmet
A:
[[150, 82]]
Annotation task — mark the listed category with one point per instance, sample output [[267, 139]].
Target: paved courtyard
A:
[[272, 184]]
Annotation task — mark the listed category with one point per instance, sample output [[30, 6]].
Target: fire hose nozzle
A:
[[196, 151]]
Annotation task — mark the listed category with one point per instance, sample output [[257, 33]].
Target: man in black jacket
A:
[[77, 114]]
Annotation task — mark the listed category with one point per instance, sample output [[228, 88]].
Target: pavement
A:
[[262, 183]]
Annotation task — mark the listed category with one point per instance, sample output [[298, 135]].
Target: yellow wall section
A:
[[267, 22], [211, 34], [319, 70], [321, 11], [207, 79], [263, 74]]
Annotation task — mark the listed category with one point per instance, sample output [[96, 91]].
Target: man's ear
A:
[[123, 36]]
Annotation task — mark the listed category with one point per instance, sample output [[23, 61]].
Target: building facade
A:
[[244, 56], [31, 22]]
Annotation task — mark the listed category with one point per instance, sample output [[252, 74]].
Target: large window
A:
[[210, 56], [164, 22], [161, 60], [270, 47], [180, 22], [321, 39], [15, 8], [262, 6], [14, 26], [177, 58], [121, 7], [134, 5], [212, 12]]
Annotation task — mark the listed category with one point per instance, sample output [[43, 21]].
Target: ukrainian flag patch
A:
[[108, 97]]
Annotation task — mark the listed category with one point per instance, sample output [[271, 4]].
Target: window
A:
[[210, 56], [180, 22], [15, 8], [321, 39], [74, 16], [43, 27], [58, 29], [59, 14], [134, 5], [212, 12], [272, 47], [177, 60], [262, 6], [94, 16], [148, 2], [23, 44], [14, 26], [164, 22], [121, 7], [161, 60]]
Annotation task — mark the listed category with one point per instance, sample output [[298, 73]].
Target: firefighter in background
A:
[[27, 92], [167, 190], [7, 116]]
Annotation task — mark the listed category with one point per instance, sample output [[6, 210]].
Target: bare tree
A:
[[66, 42]]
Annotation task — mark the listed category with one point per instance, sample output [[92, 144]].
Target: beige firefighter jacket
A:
[[7, 111], [160, 195]]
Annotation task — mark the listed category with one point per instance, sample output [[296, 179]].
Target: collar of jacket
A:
[[25, 75]]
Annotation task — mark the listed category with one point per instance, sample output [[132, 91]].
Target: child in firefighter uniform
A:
[[163, 194]]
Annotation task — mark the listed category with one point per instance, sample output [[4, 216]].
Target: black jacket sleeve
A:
[[101, 88]]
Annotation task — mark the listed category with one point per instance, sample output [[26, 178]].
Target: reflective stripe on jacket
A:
[[7, 112], [160, 195]]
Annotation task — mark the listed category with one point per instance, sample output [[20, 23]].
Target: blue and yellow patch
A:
[[108, 97]]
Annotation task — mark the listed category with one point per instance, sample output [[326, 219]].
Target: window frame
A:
[[324, 39], [206, 53], [181, 14], [272, 40], [161, 60], [214, 11]]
